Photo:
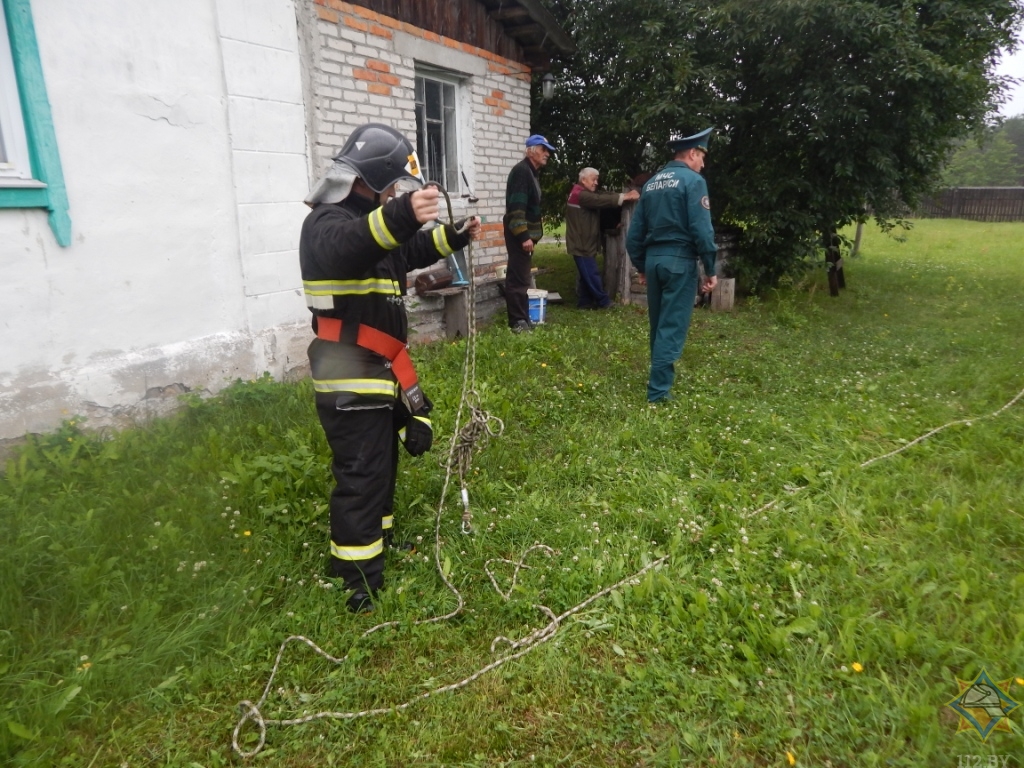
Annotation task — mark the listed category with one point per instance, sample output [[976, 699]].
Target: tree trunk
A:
[[856, 239], [836, 280]]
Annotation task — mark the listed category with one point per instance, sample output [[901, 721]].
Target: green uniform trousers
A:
[[671, 291]]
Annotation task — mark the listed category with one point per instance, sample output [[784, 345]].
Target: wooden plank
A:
[[724, 295], [456, 321]]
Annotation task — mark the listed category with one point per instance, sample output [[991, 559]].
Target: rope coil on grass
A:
[[520, 648], [459, 458]]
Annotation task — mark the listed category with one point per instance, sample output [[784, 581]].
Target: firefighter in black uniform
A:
[[364, 233]]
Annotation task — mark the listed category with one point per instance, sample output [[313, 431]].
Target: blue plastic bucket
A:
[[538, 305]]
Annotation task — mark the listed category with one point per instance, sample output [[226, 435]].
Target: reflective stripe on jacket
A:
[[354, 257]]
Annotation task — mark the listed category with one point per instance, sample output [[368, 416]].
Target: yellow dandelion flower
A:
[[857, 666], [543, 365], [247, 533], [1020, 681], [790, 758]]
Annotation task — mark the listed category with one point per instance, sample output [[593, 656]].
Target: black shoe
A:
[[397, 546], [361, 602], [522, 325]]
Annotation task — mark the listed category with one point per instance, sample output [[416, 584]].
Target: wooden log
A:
[[724, 295], [456, 321]]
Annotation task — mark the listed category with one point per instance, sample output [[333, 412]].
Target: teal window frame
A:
[[39, 131]]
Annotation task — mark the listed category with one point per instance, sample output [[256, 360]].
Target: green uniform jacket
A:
[[673, 218]]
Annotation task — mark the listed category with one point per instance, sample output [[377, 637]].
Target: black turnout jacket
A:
[[355, 256]]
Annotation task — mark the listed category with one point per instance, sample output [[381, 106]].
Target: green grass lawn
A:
[[810, 610]]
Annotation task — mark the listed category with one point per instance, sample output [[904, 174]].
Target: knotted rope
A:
[[476, 431]]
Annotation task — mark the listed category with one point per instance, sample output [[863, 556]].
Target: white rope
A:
[[935, 431], [462, 442], [520, 648], [480, 426], [518, 566]]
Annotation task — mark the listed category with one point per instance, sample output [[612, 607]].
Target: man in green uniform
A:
[[670, 230]]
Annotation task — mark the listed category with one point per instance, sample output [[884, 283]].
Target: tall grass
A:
[[150, 575]]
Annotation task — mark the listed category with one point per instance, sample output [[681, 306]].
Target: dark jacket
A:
[[522, 203], [583, 219], [354, 256]]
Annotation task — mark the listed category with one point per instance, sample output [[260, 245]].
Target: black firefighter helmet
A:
[[380, 156]]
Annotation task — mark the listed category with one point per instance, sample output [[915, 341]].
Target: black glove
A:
[[416, 433]]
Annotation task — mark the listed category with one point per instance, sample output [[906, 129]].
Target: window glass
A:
[[437, 137], [14, 160]]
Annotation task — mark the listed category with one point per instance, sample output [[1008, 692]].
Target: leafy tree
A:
[[1013, 129], [825, 108], [992, 162]]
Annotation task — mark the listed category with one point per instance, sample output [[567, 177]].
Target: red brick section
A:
[[496, 101], [377, 76], [492, 234], [362, 26], [377, 24], [327, 15]]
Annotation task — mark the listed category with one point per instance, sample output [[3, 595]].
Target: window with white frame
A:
[[14, 159], [437, 127]]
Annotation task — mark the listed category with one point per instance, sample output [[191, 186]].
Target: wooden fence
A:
[[975, 203]]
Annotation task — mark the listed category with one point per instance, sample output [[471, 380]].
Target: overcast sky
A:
[[1013, 66]]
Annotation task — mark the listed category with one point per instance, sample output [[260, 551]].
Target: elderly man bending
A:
[[583, 235]]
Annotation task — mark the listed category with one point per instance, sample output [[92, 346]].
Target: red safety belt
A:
[[329, 329]]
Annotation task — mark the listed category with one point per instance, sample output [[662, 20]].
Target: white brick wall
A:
[[345, 55], [266, 115]]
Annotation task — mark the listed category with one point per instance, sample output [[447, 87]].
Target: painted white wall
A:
[[181, 131]]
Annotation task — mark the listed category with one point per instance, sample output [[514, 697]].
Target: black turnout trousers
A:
[[364, 444]]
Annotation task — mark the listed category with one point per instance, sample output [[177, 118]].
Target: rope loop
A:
[[249, 712]]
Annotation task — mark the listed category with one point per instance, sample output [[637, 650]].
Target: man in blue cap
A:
[[523, 229], [671, 228]]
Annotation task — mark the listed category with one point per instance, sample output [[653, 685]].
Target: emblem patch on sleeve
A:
[[705, 203]]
